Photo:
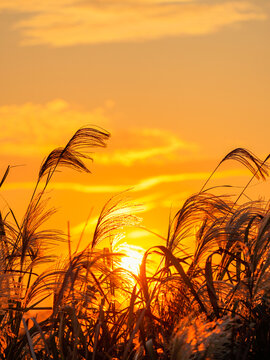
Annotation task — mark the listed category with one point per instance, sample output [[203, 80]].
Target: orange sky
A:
[[177, 83]]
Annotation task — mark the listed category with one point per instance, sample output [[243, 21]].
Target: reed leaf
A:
[[73, 153]]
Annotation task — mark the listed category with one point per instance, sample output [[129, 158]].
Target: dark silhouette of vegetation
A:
[[213, 303]]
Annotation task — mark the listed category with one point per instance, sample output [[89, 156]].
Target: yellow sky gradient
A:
[[178, 84]]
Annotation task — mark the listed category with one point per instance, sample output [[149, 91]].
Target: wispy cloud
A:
[[173, 178], [70, 186], [154, 144], [142, 185], [71, 22], [34, 129]]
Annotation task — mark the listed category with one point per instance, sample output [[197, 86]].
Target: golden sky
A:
[[177, 83]]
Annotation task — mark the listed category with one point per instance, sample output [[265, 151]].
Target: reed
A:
[[211, 303]]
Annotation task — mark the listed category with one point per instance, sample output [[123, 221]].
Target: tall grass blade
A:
[[42, 335], [29, 340], [210, 286], [175, 262], [5, 176]]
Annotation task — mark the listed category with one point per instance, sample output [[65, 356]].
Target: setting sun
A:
[[132, 259]]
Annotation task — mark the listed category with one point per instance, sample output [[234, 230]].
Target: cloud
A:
[[142, 185], [70, 22], [84, 227], [137, 145], [35, 129], [172, 178], [70, 186]]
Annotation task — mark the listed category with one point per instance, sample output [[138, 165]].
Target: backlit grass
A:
[[211, 303]]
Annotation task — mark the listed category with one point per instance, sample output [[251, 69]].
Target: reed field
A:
[[209, 301]]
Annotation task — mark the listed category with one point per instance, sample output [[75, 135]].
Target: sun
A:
[[132, 258]]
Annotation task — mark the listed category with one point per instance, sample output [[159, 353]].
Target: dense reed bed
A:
[[211, 303]]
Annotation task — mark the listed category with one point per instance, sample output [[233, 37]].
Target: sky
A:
[[178, 84]]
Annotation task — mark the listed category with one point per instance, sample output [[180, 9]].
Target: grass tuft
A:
[[209, 303]]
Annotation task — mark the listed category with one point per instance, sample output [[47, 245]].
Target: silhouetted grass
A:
[[213, 303]]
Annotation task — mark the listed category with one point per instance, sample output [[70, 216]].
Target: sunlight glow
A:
[[132, 259]]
